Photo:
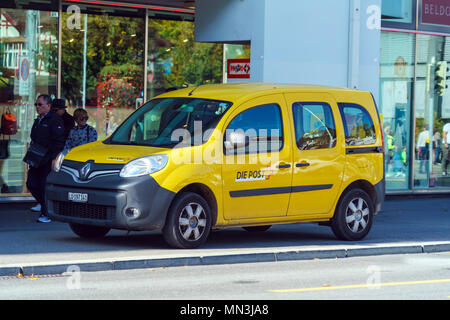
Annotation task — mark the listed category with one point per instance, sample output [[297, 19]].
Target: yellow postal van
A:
[[217, 156]]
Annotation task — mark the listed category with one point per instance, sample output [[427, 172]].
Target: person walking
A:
[[47, 141], [59, 107], [445, 147], [436, 146], [423, 141], [82, 133]]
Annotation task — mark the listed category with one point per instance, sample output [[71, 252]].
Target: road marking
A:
[[375, 285]]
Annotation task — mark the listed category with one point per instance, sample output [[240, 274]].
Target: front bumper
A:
[[109, 198]]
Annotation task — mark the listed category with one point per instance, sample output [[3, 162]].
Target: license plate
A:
[[78, 197]]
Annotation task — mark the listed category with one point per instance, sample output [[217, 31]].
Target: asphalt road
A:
[[387, 277], [405, 225]]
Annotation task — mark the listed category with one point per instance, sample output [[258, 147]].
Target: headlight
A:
[[143, 166], [58, 161]]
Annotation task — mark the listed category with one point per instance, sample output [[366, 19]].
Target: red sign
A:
[[238, 68], [436, 12]]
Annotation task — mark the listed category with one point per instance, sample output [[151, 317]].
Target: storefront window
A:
[[28, 67], [432, 112], [102, 66], [235, 51], [397, 11], [396, 84], [176, 61]]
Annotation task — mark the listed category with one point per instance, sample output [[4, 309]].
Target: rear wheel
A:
[[188, 223], [354, 216], [89, 232]]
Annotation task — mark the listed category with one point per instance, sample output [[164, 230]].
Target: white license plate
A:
[[78, 197]]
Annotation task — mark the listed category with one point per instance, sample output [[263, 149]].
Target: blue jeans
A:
[[36, 180]]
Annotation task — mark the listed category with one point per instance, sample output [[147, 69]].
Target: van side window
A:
[[358, 125], [262, 126], [314, 125]]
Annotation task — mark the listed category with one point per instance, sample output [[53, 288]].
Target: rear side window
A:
[[314, 125], [358, 125]]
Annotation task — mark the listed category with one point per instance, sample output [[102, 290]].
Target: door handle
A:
[[284, 165], [302, 164]]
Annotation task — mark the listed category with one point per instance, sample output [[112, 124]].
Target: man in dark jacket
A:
[[47, 132], [59, 107]]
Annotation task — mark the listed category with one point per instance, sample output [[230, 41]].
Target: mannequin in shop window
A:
[[110, 125]]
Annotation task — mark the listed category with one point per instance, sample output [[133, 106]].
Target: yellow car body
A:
[[320, 158]]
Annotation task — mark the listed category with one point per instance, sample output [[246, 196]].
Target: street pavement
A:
[[411, 225]]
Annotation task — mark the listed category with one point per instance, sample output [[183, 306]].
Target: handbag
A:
[[36, 155], [9, 123]]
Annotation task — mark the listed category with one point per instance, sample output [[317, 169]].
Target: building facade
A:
[[109, 57], [105, 58], [414, 100]]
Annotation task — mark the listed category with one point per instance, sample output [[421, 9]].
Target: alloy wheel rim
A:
[[192, 222], [357, 215]]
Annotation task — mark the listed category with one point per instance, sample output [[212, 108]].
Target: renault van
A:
[[231, 155]]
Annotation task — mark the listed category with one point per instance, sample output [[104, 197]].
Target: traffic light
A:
[[440, 77]]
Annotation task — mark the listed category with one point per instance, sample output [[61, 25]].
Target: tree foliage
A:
[[115, 59]]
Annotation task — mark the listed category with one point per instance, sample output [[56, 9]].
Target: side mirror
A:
[[236, 140]]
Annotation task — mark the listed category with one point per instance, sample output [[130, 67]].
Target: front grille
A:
[[81, 210]]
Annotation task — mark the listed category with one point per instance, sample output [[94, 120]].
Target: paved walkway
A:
[[405, 225]]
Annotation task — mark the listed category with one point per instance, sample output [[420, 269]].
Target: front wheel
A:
[[353, 217], [188, 222]]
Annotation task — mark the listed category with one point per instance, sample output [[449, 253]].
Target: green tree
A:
[[192, 63], [112, 41]]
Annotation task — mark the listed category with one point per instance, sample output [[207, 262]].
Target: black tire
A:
[[353, 217], [188, 221], [88, 232], [257, 228]]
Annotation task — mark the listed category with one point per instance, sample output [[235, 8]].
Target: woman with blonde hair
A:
[[82, 133]]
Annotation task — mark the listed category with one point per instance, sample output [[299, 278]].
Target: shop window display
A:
[[176, 61], [432, 113], [28, 67], [103, 67], [396, 87]]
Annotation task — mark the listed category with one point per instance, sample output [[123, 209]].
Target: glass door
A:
[[396, 84], [432, 112]]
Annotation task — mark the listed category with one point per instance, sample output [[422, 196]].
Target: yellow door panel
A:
[[256, 182], [318, 152]]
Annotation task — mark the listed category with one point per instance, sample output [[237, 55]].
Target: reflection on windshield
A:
[[170, 121]]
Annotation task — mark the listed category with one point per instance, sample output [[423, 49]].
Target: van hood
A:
[[110, 153]]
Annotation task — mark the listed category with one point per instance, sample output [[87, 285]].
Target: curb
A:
[[61, 268]]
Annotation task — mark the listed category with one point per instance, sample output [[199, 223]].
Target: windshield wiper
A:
[[163, 145]]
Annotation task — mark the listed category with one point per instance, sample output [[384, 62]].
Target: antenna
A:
[[190, 93]]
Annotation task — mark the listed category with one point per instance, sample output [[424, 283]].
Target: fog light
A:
[[132, 212]]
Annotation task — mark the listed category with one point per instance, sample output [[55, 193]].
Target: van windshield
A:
[[167, 122]]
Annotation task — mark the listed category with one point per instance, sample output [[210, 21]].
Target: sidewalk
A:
[[405, 225]]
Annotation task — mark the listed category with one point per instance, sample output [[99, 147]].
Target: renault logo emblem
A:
[[84, 171]]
